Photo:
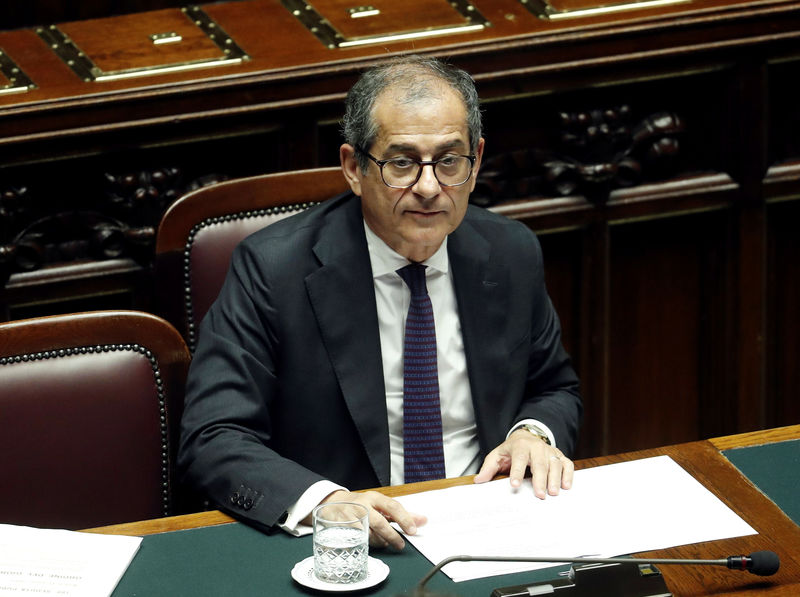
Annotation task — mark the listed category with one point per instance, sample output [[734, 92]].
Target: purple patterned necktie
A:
[[422, 417]]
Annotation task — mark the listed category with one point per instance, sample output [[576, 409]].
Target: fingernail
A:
[[515, 483], [412, 530]]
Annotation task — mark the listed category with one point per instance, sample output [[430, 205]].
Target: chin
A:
[[428, 238]]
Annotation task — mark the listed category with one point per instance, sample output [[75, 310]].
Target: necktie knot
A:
[[414, 276]]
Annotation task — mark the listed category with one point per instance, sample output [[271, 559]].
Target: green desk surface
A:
[[234, 559], [775, 470]]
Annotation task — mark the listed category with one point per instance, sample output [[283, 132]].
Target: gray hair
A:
[[414, 75]]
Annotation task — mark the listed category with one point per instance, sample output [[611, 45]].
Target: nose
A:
[[427, 184]]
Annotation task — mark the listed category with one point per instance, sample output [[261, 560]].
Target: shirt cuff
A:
[[539, 424], [310, 499]]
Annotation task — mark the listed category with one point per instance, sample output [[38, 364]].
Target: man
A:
[[297, 391]]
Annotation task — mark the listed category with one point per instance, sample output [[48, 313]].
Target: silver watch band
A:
[[537, 431]]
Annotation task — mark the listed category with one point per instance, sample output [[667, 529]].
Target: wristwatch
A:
[[535, 430]]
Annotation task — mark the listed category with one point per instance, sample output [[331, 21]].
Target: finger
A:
[[489, 468], [539, 470], [554, 473], [389, 510], [392, 510], [520, 460], [376, 541], [381, 532], [567, 474]]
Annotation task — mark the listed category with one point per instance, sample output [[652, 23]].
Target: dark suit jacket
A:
[[286, 386]]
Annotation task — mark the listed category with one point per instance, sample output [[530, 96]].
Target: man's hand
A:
[[549, 467], [382, 511]]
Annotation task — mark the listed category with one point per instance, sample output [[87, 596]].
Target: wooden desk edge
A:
[[756, 438], [165, 525]]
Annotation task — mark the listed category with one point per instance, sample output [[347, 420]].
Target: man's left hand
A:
[[551, 470]]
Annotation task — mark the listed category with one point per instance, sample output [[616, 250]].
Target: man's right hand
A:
[[382, 511]]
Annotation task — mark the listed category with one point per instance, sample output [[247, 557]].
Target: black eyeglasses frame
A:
[[422, 164]]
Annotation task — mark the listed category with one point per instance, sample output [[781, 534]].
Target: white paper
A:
[[64, 563], [611, 510]]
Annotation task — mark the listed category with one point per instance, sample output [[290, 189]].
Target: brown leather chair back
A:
[[199, 231], [90, 406]]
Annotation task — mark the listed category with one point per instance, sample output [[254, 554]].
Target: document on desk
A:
[[611, 510], [65, 563]]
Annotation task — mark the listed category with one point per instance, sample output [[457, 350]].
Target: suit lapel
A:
[[482, 303], [343, 299]]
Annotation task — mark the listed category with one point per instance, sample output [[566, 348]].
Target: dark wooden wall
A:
[[679, 298], [657, 157]]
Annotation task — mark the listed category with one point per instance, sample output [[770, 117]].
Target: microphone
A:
[[761, 563]]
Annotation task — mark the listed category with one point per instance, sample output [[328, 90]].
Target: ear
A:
[[347, 157], [477, 166]]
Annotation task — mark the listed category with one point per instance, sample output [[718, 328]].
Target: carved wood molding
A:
[[597, 151], [120, 224]]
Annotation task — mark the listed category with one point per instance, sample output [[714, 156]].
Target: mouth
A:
[[423, 214]]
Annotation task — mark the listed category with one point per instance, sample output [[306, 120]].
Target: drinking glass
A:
[[341, 542]]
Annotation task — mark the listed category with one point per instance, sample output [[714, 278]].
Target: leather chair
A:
[[199, 231], [90, 407]]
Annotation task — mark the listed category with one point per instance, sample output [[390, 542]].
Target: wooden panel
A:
[[783, 297], [662, 284], [118, 284], [124, 42], [563, 258], [544, 49], [783, 125], [392, 17]]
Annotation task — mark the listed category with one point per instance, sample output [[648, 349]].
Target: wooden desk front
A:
[[703, 459]]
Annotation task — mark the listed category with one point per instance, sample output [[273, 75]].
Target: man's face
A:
[[414, 221]]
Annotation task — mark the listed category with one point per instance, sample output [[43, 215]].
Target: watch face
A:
[[538, 432]]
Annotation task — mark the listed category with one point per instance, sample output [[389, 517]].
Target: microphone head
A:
[[764, 563]]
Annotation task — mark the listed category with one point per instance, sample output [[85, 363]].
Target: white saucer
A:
[[303, 572]]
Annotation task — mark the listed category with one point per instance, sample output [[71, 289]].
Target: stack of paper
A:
[[66, 563], [611, 510]]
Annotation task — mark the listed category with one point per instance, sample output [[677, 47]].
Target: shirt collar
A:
[[385, 260]]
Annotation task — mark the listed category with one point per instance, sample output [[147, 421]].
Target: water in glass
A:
[[340, 555]]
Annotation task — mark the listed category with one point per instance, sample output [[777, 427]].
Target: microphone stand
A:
[[762, 563]]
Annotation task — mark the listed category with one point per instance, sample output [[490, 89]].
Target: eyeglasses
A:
[[451, 170]]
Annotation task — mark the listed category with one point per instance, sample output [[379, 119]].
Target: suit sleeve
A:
[[233, 384]]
